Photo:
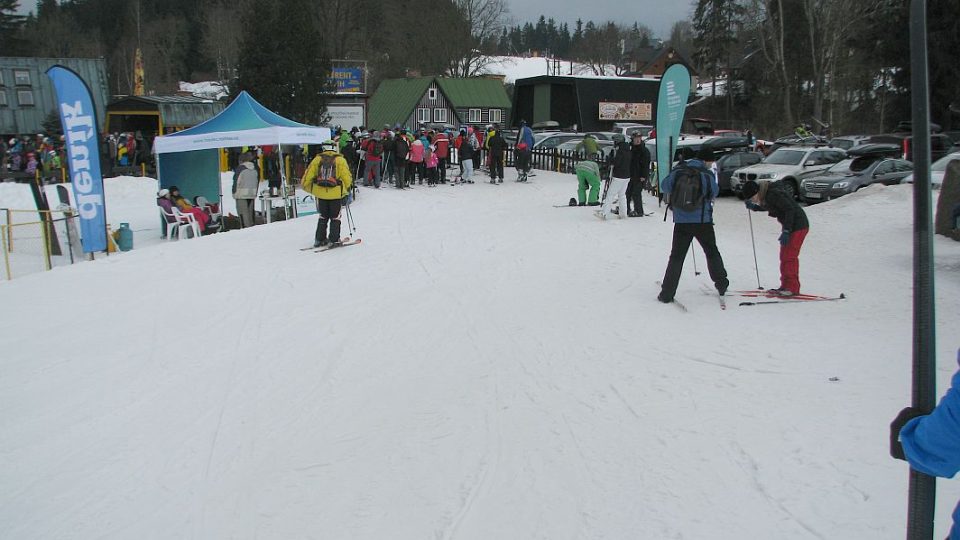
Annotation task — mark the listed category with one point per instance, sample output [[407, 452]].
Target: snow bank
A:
[[519, 67], [483, 366]]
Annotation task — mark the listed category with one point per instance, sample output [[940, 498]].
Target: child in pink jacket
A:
[[416, 160]]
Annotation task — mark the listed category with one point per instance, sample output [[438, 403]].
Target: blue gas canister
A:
[[125, 242]]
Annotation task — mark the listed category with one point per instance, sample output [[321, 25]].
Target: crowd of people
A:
[[406, 158], [30, 154]]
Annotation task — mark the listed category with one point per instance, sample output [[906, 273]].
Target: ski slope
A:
[[484, 366]]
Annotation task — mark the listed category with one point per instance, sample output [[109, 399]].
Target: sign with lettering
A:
[[625, 111], [347, 80], [81, 135]]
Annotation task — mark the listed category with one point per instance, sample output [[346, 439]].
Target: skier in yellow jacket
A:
[[328, 179]]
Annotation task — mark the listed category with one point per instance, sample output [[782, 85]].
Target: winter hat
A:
[[750, 188], [163, 193], [705, 154]]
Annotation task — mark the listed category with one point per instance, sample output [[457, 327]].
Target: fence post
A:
[[9, 236], [6, 253], [63, 175], [556, 160], [46, 241]]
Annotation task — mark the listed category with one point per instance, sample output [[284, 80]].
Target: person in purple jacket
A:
[[931, 442]]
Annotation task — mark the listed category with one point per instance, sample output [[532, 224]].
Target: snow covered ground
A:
[[483, 366], [521, 67]]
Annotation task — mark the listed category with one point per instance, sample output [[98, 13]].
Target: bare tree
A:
[[830, 23], [602, 48], [222, 36], [164, 43], [484, 20], [767, 16]]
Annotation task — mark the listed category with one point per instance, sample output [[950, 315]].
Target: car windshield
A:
[[941, 164], [853, 165], [785, 157]]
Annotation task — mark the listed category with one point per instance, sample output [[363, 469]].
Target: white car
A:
[[627, 130], [789, 164], [551, 139], [937, 170]]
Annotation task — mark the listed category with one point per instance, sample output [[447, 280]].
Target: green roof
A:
[[475, 92], [395, 99]]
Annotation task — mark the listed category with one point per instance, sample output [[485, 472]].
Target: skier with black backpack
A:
[[691, 190]]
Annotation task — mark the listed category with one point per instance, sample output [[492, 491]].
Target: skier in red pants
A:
[[777, 201]]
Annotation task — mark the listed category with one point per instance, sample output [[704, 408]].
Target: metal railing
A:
[[547, 159], [35, 246]]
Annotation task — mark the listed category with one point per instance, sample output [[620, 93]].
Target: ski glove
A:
[[784, 237], [753, 206], [896, 449]]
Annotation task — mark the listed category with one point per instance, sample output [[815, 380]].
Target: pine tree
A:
[[10, 26], [288, 72]]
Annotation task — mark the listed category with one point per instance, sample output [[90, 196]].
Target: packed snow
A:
[[483, 366]]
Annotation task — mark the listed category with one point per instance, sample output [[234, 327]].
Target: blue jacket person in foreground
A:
[[931, 443]]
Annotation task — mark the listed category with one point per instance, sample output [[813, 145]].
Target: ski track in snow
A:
[[482, 366]]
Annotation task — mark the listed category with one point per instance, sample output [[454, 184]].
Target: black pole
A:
[[922, 499]]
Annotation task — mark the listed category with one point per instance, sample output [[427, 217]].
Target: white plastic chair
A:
[[179, 222], [204, 204]]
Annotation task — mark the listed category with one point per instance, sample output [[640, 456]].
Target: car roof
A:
[[879, 149]]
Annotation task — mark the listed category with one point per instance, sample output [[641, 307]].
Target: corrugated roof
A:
[[167, 99], [475, 92], [395, 99]]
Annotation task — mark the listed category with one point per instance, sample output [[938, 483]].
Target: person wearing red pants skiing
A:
[[777, 200]]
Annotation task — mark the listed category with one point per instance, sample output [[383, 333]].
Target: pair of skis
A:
[[343, 243], [761, 296], [765, 297]]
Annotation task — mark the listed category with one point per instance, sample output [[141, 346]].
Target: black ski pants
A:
[[329, 212], [496, 166], [635, 194], [683, 234], [442, 169], [401, 168]]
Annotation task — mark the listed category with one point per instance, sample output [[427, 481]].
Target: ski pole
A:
[[754, 243], [351, 224], [695, 271]]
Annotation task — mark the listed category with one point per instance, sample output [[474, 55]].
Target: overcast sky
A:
[[659, 15]]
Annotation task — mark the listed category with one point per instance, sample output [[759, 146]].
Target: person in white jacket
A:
[[246, 180]]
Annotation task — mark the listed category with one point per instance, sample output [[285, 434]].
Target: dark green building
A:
[[425, 101]]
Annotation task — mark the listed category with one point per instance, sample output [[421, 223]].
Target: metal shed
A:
[[27, 97], [158, 114]]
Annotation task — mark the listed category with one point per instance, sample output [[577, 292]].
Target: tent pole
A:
[[283, 179]]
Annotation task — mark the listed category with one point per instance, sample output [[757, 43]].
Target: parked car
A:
[[550, 139], [697, 126], [627, 129], [937, 171], [727, 164], [602, 135], [940, 144], [571, 145], [788, 164], [846, 142], [866, 164], [797, 140]]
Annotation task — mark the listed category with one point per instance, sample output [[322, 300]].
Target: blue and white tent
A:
[[189, 159]]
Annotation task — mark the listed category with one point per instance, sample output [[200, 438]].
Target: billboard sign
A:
[[347, 80], [345, 116], [625, 111]]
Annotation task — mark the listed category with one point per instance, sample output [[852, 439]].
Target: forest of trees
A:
[[839, 62]]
